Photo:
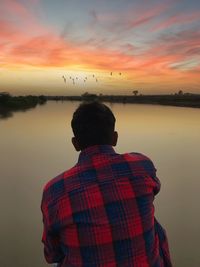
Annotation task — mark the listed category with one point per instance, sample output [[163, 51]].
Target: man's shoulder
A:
[[52, 181], [141, 160], [69, 177], [55, 187], [136, 156]]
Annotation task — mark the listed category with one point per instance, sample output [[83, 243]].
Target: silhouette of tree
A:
[[135, 92], [4, 97], [180, 92]]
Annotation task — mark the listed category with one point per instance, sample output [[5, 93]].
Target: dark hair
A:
[[93, 123]]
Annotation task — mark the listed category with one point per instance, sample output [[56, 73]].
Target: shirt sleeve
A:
[[50, 239], [155, 180], [149, 171], [163, 244]]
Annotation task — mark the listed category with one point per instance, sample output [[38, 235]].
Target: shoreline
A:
[[185, 100], [10, 104]]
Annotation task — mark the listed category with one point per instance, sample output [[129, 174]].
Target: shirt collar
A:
[[93, 150]]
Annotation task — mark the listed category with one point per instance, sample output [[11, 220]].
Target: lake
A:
[[36, 145]]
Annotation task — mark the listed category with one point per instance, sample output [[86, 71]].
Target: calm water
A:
[[35, 146]]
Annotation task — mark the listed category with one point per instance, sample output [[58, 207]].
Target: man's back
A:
[[100, 213]]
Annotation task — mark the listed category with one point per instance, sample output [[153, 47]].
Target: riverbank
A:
[[180, 100], [10, 104]]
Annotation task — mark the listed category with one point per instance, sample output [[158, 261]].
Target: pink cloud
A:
[[6, 29], [145, 16], [131, 18], [13, 8], [51, 50], [177, 20], [47, 48], [21, 16]]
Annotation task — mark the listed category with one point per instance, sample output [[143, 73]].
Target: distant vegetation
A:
[[9, 103], [178, 99]]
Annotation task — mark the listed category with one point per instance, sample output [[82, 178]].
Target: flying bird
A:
[[111, 73], [120, 73], [64, 78]]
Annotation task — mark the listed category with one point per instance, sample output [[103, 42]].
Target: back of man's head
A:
[[93, 123]]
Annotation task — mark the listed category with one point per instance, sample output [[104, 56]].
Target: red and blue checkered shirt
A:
[[100, 213]]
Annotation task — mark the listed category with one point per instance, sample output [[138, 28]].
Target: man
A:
[[100, 213]]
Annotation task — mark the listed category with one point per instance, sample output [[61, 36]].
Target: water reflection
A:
[[10, 104], [36, 145], [5, 113]]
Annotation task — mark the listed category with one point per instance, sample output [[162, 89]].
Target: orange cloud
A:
[[53, 51], [164, 58]]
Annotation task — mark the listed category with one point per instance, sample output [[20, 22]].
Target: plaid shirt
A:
[[100, 213]]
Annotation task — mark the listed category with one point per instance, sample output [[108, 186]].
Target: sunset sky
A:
[[149, 45]]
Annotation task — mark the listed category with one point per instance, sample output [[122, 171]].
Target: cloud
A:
[[14, 8], [134, 17], [7, 29], [54, 51], [21, 16], [177, 19], [184, 43], [163, 56], [94, 17]]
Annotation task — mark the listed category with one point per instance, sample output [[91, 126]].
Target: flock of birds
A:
[[85, 79]]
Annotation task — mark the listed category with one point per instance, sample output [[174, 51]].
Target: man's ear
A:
[[75, 144], [115, 138]]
